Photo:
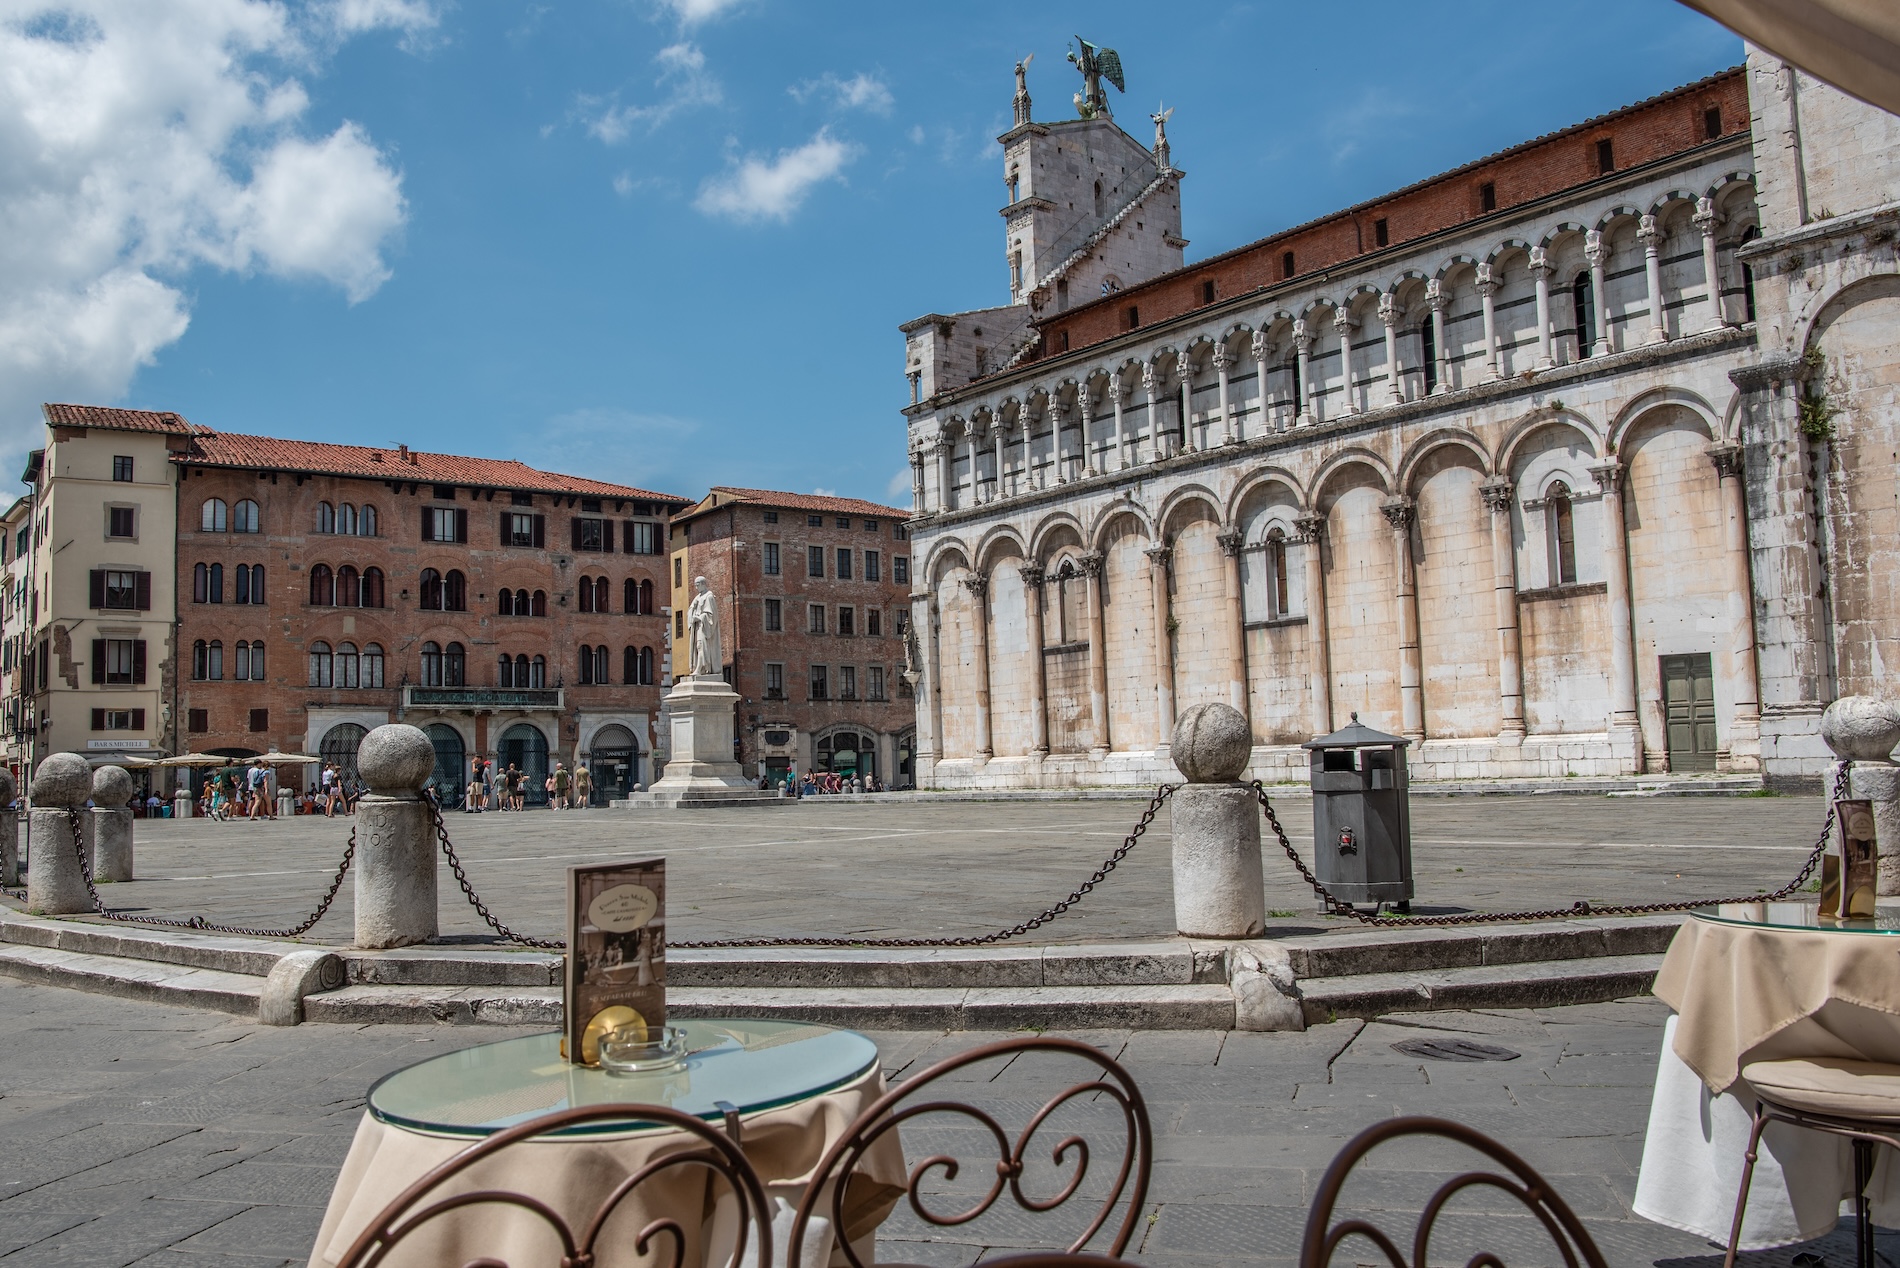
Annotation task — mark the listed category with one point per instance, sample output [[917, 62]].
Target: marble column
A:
[[1498, 494], [1597, 252], [1084, 412], [1227, 436], [1389, 315], [1026, 480], [917, 482], [1705, 222], [1312, 531], [1033, 600], [1303, 373], [923, 629], [1058, 451], [1745, 723], [942, 445], [1487, 287], [1184, 371], [1262, 353], [969, 436], [1626, 734], [1151, 387], [998, 433], [978, 584], [1098, 658], [1342, 326], [1540, 276], [1651, 236], [1121, 434], [1159, 558], [1400, 513], [1231, 541], [1436, 297]]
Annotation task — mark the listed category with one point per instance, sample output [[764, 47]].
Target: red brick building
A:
[[511, 613], [815, 605]]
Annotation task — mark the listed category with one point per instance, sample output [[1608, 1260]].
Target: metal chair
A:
[[901, 1105], [707, 1147], [1323, 1237], [1856, 1099]]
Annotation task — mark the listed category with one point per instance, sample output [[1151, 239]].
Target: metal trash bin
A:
[[1362, 819]]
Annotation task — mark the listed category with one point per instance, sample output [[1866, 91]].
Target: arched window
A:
[[257, 583], [1584, 309], [646, 598], [216, 516], [200, 583], [522, 605], [1563, 536], [200, 660], [506, 602], [603, 595], [646, 667], [243, 656], [539, 605], [454, 666], [603, 665], [241, 584], [339, 747], [349, 587], [1276, 573], [372, 587], [244, 518], [373, 665], [346, 665], [346, 519], [326, 518], [214, 667], [505, 670], [587, 594], [455, 592], [1748, 276], [366, 521], [431, 589], [1428, 355], [538, 672], [1098, 198], [320, 664], [587, 665], [432, 664], [322, 587], [630, 596], [250, 660], [521, 671], [630, 664]]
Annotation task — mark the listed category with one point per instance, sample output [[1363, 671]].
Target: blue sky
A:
[[666, 242]]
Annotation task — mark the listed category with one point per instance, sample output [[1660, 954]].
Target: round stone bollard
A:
[[395, 841], [55, 886], [181, 803], [111, 824], [1218, 887], [1863, 731], [9, 831]]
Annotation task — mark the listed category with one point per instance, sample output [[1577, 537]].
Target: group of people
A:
[[487, 790], [239, 792], [825, 783]]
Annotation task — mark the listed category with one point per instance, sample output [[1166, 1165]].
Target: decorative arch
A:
[[1258, 480], [1434, 440], [1669, 199], [1728, 181], [1560, 230], [1353, 457], [945, 555], [1455, 265], [1317, 304], [1051, 528], [1506, 249], [1236, 330], [1538, 420], [1185, 496], [1643, 402], [1824, 309], [1000, 542], [1098, 532], [1622, 211]]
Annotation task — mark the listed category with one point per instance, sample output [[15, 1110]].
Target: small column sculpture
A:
[[395, 841], [1863, 731], [1219, 891], [55, 884], [111, 824], [181, 802], [9, 831]]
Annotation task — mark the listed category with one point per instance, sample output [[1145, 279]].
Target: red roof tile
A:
[[115, 419], [268, 453], [807, 502]]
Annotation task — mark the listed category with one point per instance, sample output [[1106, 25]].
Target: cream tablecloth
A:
[[1762, 994], [575, 1175]]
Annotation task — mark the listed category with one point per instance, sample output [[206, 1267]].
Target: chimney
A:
[[404, 451]]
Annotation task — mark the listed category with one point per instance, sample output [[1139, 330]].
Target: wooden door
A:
[[1689, 711]]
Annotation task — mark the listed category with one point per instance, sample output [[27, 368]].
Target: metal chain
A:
[[199, 922], [1336, 907], [1014, 931]]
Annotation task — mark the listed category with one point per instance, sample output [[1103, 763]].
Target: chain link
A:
[[199, 922], [468, 890], [1336, 907]]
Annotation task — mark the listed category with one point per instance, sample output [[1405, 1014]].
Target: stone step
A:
[[151, 980], [1400, 948], [1545, 984], [1177, 962]]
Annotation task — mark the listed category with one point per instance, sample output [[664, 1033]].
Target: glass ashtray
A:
[[635, 1050]]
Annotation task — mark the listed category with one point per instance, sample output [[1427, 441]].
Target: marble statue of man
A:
[[702, 627]]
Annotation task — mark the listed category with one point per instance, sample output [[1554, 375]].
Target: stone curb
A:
[[1618, 786]]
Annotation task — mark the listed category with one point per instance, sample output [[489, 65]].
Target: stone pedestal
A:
[[87, 841], [9, 847], [700, 770], [55, 884], [286, 803], [110, 823], [1863, 732], [181, 804], [395, 840], [1219, 891]]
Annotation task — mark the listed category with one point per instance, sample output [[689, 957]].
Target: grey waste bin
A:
[[1362, 822]]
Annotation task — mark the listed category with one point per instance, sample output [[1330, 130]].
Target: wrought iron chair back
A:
[[706, 1147], [1523, 1183], [901, 1104]]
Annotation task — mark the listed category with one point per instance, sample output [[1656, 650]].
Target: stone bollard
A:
[[54, 884], [9, 831], [1218, 887], [1863, 731], [181, 803], [286, 803], [395, 842], [111, 824]]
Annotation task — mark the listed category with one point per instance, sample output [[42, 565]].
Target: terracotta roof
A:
[[115, 419], [268, 453], [724, 493]]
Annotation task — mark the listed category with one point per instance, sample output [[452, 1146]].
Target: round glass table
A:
[[749, 1065], [1802, 916]]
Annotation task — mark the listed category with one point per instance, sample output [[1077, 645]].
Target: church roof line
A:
[[1114, 222]]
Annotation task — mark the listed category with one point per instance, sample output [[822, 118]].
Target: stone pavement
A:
[[939, 869], [132, 1133]]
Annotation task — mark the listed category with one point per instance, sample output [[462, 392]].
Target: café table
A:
[[796, 1087], [1765, 982]]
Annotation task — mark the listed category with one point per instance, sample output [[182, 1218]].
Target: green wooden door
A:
[[1689, 711]]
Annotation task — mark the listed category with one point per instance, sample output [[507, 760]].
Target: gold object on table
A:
[[1848, 871], [609, 1019]]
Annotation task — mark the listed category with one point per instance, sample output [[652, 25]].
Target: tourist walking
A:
[[562, 780], [583, 786]]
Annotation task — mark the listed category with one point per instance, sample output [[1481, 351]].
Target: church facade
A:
[[1577, 460]]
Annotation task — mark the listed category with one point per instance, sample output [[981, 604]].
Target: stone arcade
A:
[[1575, 460]]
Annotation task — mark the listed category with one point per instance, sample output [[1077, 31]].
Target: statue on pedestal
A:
[[702, 630]]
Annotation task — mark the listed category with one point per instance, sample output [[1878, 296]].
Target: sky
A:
[[664, 242]]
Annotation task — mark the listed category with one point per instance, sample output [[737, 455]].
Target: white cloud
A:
[[623, 184], [824, 493], [351, 17], [898, 491], [862, 91], [693, 12], [684, 81], [758, 188], [139, 141]]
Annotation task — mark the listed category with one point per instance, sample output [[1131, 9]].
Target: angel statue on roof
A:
[[1096, 63]]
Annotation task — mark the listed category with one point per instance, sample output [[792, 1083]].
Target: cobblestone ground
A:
[[933, 869], [138, 1134]]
